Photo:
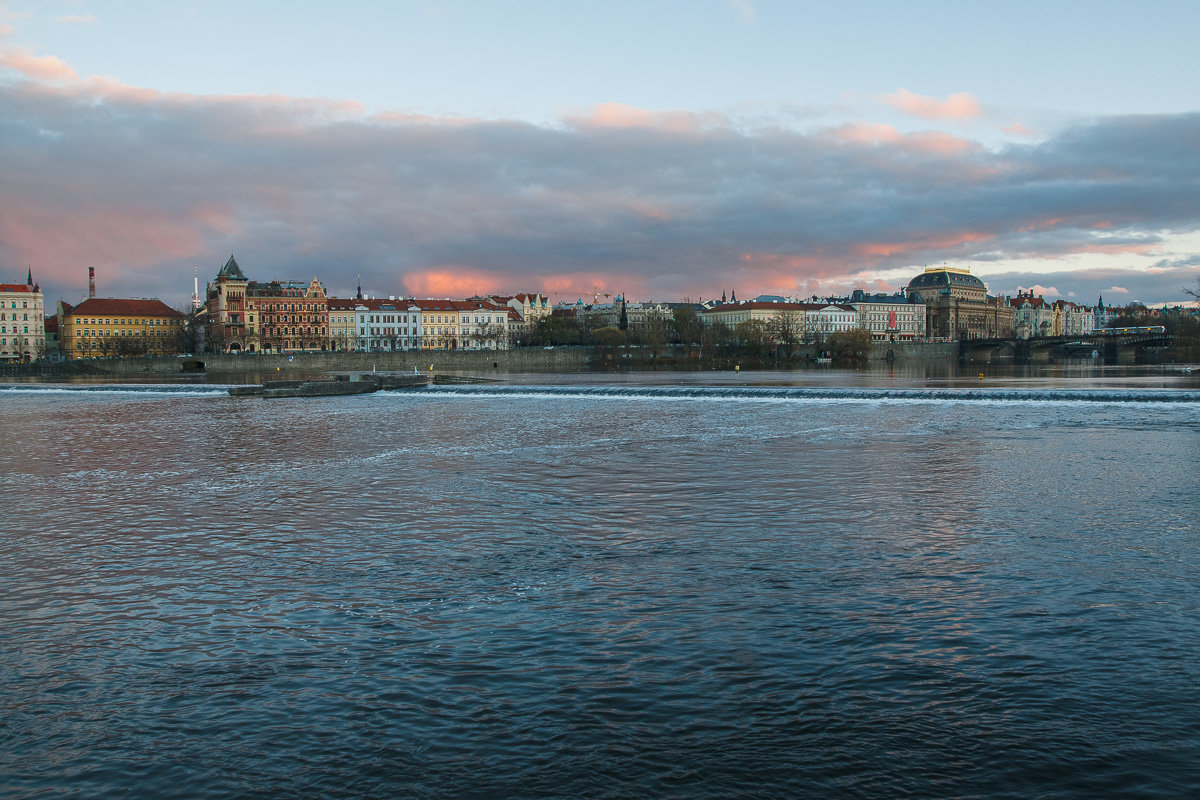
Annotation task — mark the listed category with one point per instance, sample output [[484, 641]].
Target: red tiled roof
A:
[[15, 287], [110, 306], [434, 305]]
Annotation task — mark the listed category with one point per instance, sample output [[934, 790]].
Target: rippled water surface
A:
[[598, 591]]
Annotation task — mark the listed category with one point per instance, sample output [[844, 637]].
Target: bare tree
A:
[[786, 328]]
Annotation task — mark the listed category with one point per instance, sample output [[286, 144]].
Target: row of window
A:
[[386, 332], [24, 304], [4, 329], [88, 332]]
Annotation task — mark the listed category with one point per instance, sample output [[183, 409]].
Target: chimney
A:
[[91, 282]]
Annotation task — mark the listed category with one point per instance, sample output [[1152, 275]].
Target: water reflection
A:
[[535, 594]]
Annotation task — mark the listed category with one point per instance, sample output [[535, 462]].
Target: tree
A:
[[686, 325], [753, 335], [652, 334], [851, 346], [553, 330], [609, 337], [785, 328], [714, 338]]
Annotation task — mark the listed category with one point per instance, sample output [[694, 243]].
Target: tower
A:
[[195, 289], [91, 282]]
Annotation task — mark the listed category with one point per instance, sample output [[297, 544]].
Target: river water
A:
[[603, 587]]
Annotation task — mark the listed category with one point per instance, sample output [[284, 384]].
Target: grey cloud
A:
[[152, 186]]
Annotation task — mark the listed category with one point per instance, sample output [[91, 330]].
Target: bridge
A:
[[1116, 348]]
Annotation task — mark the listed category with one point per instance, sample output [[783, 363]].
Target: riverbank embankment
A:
[[557, 359]]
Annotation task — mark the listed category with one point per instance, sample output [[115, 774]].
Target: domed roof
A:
[[944, 278]]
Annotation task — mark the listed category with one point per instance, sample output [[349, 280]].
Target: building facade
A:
[[1032, 316], [820, 320], [343, 327], [387, 325], [889, 317], [22, 321], [272, 317], [957, 305], [733, 314], [107, 327]]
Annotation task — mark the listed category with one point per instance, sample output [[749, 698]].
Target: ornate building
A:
[[957, 305], [22, 321], [245, 315]]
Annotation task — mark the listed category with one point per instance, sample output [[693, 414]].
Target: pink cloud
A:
[[938, 142], [462, 281], [1017, 129], [116, 239], [619, 115], [888, 249], [955, 106], [1042, 224], [450, 281], [1041, 291], [1126, 248], [42, 68], [865, 133], [882, 134]]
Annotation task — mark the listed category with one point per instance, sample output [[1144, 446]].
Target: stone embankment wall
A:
[[564, 359], [914, 351], [559, 359]]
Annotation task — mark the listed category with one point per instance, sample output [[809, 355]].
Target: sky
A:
[[661, 150]]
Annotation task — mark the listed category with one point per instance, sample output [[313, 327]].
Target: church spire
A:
[[29, 277]]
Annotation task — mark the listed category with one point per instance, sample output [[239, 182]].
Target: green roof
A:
[[231, 270]]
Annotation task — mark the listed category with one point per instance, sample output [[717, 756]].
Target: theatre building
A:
[[958, 306]]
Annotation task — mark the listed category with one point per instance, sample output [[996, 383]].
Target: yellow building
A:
[[105, 327], [342, 333], [439, 324]]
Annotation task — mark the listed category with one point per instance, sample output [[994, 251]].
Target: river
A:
[[694, 586]]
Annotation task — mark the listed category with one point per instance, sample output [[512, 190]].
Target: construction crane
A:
[[597, 294]]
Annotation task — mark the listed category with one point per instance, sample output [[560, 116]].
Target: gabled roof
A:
[[112, 306], [16, 287], [231, 270]]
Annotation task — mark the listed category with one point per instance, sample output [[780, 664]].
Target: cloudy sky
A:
[[660, 149]]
